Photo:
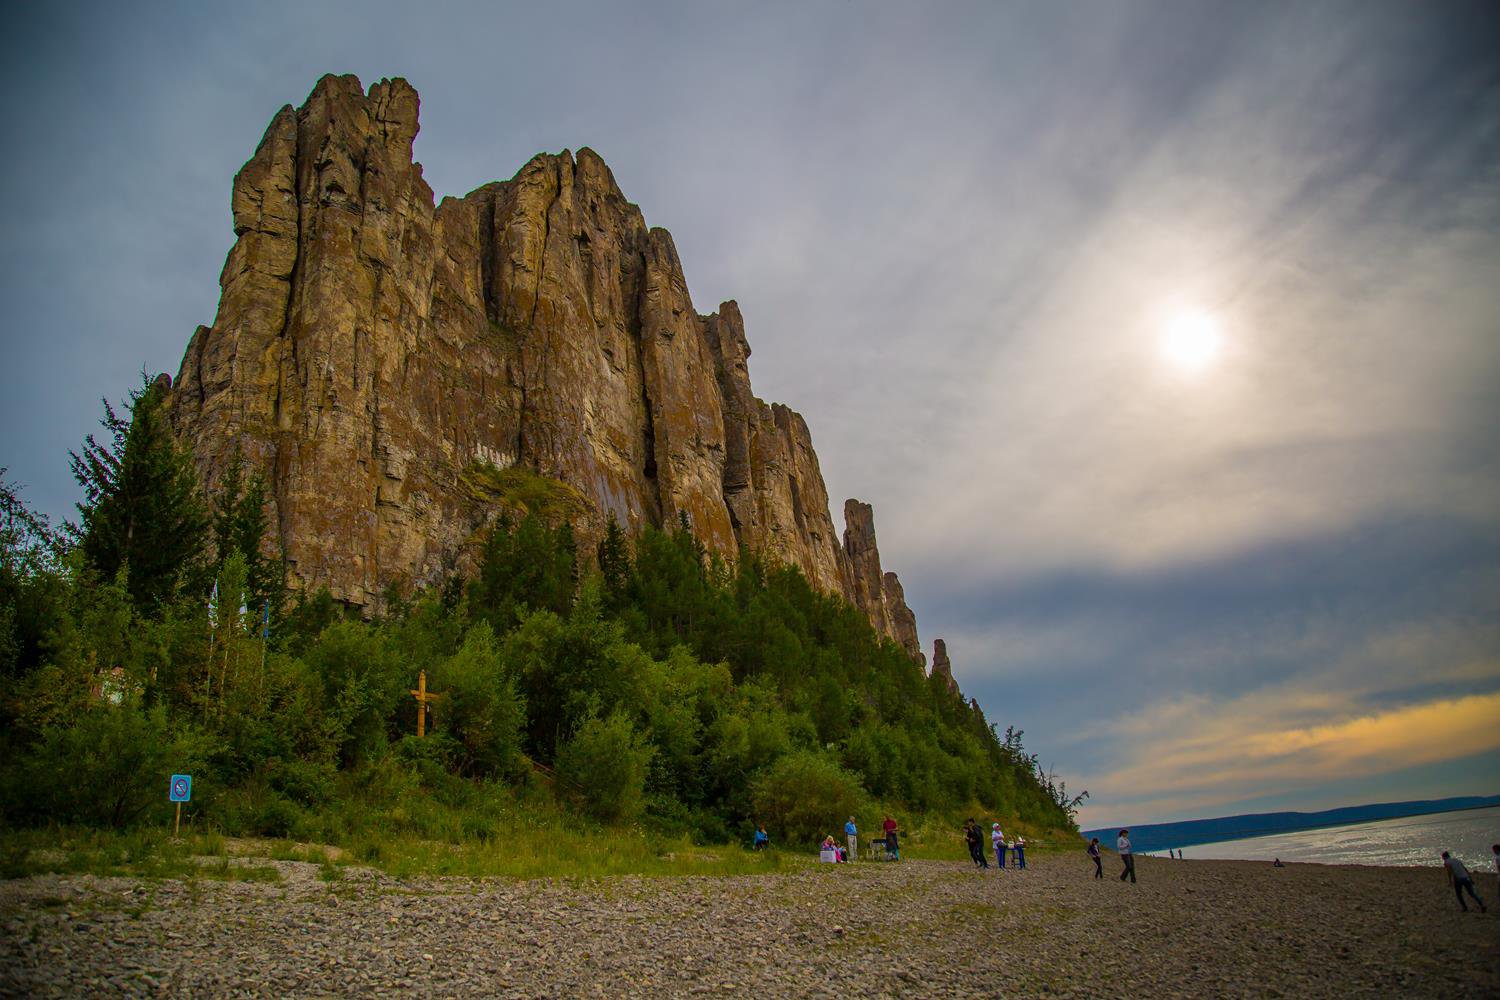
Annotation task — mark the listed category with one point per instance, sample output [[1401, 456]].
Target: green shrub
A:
[[363, 685], [604, 765], [306, 781], [805, 795], [480, 707], [106, 768]]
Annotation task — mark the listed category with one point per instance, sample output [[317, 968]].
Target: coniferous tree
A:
[[141, 511], [614, 563], [239, 525]]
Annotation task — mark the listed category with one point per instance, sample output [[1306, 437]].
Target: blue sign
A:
[[181, 788]]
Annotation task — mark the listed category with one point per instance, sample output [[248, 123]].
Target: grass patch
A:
[[140, 853], [960, 912], [422, 821], [524, 491]]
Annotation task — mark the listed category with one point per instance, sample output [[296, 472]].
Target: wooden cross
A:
[[424, 697]]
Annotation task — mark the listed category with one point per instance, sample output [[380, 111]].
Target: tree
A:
[[481, 708], [239, 525], [526, 565], [614, 562], [29, 554], [142, 511], [605, 765]]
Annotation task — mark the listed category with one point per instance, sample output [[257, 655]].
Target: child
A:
[[1098, 861], [762, 838], [1018, 849]]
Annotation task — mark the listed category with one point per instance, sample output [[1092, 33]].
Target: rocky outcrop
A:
[[902, 620], [941, 666], [386, 362], [878, 594]]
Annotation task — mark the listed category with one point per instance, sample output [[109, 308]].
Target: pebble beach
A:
[[911, 929]]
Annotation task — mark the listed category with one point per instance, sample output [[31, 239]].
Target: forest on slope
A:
[[655, 687]]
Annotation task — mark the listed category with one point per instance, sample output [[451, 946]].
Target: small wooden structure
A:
[[424, 698]]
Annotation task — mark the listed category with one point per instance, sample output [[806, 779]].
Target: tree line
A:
[[647, 682]]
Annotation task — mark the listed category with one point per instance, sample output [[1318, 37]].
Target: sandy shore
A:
[[919, 929]]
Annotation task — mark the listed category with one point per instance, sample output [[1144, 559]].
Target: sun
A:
[[1190, 340]]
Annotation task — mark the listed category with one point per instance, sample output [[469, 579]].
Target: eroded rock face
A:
[[941, 666], [379, 357], [878, 594]]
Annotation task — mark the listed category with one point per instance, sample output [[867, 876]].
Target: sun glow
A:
[[1190, 340]]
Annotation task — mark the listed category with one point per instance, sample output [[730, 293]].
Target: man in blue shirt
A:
[[851, 834]]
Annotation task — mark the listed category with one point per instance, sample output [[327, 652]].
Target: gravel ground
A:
[[918, 929]]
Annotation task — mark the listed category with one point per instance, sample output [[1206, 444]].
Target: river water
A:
[[1411, 840]]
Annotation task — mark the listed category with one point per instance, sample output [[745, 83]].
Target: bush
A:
[[480, 707], [106, 769], [363, 686], [605, 765], [805, 795]]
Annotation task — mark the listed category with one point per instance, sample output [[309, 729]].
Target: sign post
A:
[[179, 790]]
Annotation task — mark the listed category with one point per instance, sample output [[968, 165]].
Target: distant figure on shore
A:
[[851, 834], [1122, 844], [997, 841], [1018, 852], [1094, 855], [892, 842], [976, 843], [1277, 864], [1496, 849], [762, 838], [1462, 881]]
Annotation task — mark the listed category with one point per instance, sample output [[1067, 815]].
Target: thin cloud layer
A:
[[1194, 754]]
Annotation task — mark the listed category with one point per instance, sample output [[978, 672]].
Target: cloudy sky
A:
[[1164, 337]]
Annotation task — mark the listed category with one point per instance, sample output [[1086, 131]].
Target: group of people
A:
[[889, 842], [1127, 856], [974, 837]]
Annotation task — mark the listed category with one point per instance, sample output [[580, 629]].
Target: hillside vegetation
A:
[[657, 694]]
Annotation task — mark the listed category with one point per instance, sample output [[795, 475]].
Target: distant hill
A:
[[1161, 836]]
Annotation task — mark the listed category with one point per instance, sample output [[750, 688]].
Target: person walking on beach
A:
[[851, 834], [997, 841], [976, 848], [1122, 844], [1462, 881], [1094, 855]]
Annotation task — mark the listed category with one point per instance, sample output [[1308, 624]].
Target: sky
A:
[[1164, 337]]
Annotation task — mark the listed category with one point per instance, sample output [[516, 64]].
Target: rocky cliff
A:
[[401, 371]]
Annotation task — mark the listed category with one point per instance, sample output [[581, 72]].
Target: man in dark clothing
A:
[[1094, 854], [976, 844]]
